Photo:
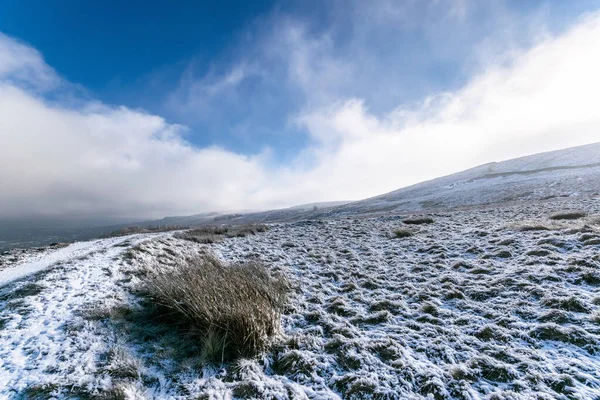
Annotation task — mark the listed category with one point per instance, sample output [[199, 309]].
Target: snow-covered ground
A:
[[472, 306]]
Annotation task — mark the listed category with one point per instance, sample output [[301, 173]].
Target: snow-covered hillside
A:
[[563, 173], [489, 303]]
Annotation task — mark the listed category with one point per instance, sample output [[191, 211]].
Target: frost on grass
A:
[[471, 307]]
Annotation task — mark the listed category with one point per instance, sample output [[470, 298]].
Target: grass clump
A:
[[418, 220], [40, 391], [566, 303], [533, 227], [236, 308], [121, 364], [402, 233], [575, 336], [568, 215], [215, 234]]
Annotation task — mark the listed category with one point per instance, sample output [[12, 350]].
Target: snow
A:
[[37, 262], [469, 307], [569, 172]]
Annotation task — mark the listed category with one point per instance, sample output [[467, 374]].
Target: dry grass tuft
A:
[[235, 308]]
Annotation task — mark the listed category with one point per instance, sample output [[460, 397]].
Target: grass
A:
[[533, 228], [418, 220], [402, 233], [235, 308], [214, 234], [575, 336], [568, 215], [121, 364], [566, 303], [41, 391], [25, 290], [130, 230], [99, 312]]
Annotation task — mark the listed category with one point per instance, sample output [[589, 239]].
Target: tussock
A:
[[418, 220], [568, 215], [401, 233], [215, 234], [533, 227], [236, 308]]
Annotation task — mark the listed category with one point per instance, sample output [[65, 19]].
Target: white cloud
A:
[[58, 159], [22, 64], [194, 95], [103, 160], [544, 100]]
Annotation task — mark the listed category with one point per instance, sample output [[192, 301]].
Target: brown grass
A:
[[214, 234], [235, 308]]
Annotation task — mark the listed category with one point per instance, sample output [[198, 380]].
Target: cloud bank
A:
[[83, 157]]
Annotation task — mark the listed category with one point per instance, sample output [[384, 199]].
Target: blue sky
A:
[[137, 53], [283, 88]]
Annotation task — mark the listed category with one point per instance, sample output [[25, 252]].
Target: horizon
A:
[[35, 222], [192, 109]]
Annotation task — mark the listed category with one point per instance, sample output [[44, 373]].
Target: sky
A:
[[146, 109]]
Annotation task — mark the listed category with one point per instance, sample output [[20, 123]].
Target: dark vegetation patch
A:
[[538, 253], [339, 306], [42, 391], [566, 303], [27, 289], [498, 254], [587, 236], [356, 387], [418, 220], [569, 215], [491, 332], [492, 370], [533, 228], [402, 233], [561, 384], [214, 234], [122, 365], [572, 335], [100, 312], [556, 316], [375, 318], [293, 363]]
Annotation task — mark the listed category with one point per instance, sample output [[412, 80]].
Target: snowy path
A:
[[43, 342], [38, 262]]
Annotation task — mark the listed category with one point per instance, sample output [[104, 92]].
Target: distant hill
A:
[[570, 172]]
